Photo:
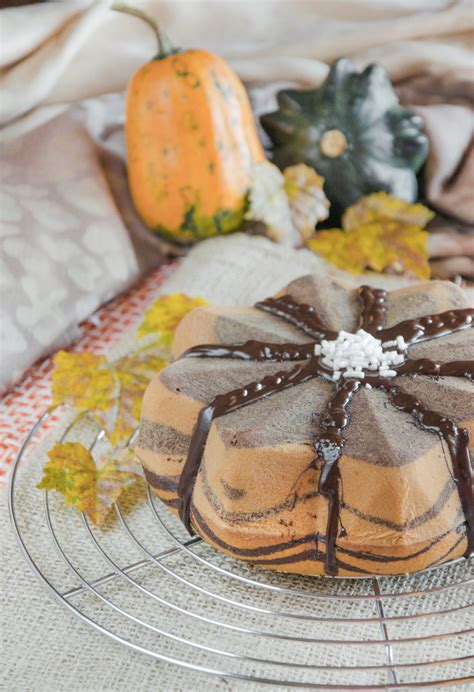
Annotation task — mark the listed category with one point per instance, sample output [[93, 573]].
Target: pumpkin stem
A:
[[165, 47]]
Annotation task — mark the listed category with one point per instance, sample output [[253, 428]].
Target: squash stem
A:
[[165, 47]]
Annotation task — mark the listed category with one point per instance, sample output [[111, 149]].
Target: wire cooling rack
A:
[[143, 582]]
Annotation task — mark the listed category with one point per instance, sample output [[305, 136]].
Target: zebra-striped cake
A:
[[274, 459]]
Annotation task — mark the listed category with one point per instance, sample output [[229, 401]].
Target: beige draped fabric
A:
[[59, 52], [69, 236]]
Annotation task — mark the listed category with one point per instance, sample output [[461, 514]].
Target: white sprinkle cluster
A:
[[354, 355]]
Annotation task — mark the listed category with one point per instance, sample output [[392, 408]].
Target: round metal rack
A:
[[143, 582]]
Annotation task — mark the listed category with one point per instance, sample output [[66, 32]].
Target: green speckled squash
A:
[[353, 131]]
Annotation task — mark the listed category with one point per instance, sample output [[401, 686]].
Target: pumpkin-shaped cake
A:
[[323, 431]]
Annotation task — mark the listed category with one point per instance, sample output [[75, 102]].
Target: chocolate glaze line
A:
[[374, 309], [225, 403], [270, 384], [430, 326], [300, 315], [193, 461], [252, 350], [425, 366], [328, 446], [456, 438]]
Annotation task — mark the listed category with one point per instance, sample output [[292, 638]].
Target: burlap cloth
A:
[[46, 648]]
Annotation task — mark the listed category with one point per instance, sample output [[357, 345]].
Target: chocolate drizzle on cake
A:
[[226, 403], [425, 366], [299, 314], [329, 443], [328, 446], [374, 310], [456, 438], [253, 350], [430, 327]]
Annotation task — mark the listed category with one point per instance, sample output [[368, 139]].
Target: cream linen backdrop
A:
[[69, 236], [55, 53]]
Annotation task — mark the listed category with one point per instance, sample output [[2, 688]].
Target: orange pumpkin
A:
[[191, 141]]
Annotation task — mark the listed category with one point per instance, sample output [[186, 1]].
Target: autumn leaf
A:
[[134, 372], [164, 315], [289, 204], [88, 486], [342, 249], [308, 203], [83, 380], [380, 207], [379, 247], [111, 392], [380, 233]]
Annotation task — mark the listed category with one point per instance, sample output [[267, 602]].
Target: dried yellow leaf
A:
[[111, 392], [83, 380], [380, 207], [89, 487], [379, 247], [164, 315], [336, 246], [134, 373]]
